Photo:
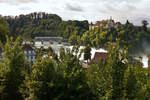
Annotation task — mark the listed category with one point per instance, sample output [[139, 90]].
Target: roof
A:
[[99, 56], [97, 23], [103, 23], [27, 47], [48, 39]]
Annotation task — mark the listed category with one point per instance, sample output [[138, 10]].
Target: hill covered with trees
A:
[[43, 24], [63, 78], [136, 38]]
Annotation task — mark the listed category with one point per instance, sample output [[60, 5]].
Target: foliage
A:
[[131, 85], [99, 80], [13, 69], [87, 53], [4, 30], [43, 24], [62, 77], [50, 79], [134, 37]]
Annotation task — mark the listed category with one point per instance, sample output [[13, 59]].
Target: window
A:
[[29, 52], [25, 52]]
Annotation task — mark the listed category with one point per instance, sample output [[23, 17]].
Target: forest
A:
[[43, 24], [120, 77], [78, 32]]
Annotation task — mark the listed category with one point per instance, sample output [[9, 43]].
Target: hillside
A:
[[106, 32], [43, 24], [100, 34]]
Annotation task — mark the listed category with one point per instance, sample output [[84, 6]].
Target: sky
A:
[[92, 10]]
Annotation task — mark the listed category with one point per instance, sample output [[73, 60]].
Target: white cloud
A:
[[15, 2]]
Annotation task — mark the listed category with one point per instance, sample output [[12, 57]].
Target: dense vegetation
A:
[[64, 78], [52, 78], [136, 38], [77, 32], [4, 30], [43, 24]]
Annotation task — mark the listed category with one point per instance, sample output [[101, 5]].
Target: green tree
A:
[[140, 82], [131, 86], [74, 76], [52, 81], [87, 53], [14, 66], [99, 79], [74, 39], [4, 30], [144, 25], [44, 81], [118, 71]]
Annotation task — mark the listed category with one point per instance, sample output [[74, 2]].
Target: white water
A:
[[145, 61], [57, 46]]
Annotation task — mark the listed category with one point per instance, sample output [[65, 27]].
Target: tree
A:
[[4, 30], [44, 81], [99, 79], [14, 66], [87, 53], [131, 86], [75, 78], [144, 25], [43, 24], [52, 81], [140, 82], [118, 70], [74, 39]]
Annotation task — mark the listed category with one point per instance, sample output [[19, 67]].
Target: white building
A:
[[54, 42]]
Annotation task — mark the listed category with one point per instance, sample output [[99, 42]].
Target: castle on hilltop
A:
[[106, 24]]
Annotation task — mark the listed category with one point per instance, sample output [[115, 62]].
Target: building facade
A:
[[106, 24], [29, 52]]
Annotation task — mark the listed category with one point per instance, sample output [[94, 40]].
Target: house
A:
[[29, 52], [96, 56], [54, 42], [98, 24], [48, 40], [99, 56], [102, 24]]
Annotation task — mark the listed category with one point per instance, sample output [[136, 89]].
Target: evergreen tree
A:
[[144, 25], [14, 65], [4, 30], [131, 86], [87, 53], [74, 75], [99, 79], [118, 70], [44, 81]]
